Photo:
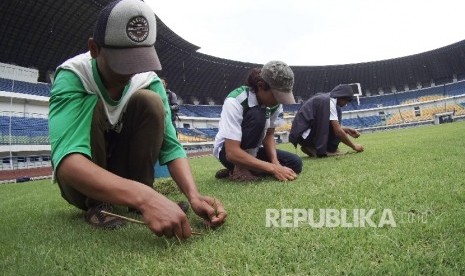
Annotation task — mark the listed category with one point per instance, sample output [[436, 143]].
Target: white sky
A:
[[314, 32]]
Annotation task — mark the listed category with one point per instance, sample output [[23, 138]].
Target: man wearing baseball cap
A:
[[317, 124], [109, 123], [245, 142]]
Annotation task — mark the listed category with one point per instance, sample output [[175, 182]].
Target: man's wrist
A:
[[146, 199], [272, 169], [192, 195]]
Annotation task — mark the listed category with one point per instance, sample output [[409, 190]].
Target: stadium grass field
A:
[[417, 173]]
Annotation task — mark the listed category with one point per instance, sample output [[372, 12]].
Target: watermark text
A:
[[329, 218]]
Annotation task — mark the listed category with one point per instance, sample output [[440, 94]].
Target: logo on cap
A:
[[137, 29]]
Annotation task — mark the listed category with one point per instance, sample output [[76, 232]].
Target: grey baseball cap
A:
[[281, 80], [126, 30]]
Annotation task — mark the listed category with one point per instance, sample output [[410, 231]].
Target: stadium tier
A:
[[197, 77], [207, 111], [209, 132], [23, 131], [38, 89]]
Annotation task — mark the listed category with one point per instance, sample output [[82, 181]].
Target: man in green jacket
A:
[[110, 122]]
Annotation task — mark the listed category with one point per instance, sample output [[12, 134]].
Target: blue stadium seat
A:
[[24, 130], [38, 89]]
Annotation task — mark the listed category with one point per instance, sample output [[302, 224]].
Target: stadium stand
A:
[[209, 132], [207, 111], [23, 131], [407, 90], [291, 109], [352, 122], [194, 75], [189, 135], [34, 131]]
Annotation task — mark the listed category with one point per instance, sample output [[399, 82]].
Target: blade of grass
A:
[[138, 221]]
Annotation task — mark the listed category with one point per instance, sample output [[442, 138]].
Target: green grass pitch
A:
[[419, 174]]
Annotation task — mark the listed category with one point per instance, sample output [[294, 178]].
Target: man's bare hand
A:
[[210, 209], [283, 173], [165, 218], [358, 147], [352, 132]]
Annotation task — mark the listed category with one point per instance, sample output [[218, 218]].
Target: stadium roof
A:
[[42, 34]]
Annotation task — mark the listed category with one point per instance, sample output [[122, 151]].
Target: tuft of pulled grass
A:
[[166, 186]]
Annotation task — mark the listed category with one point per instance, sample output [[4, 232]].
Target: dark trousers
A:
[[133, 152], [285, 158], [252, 126], [332, 143]]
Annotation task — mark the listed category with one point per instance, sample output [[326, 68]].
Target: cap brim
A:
[[128, 61], [283, 97]]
